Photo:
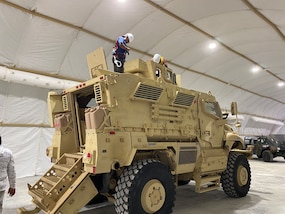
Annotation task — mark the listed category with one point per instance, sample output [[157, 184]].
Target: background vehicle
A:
[[280, 138], [269, 147], [133, 138]]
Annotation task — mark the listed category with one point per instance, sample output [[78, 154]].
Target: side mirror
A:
[[234, 108], [225, 115]]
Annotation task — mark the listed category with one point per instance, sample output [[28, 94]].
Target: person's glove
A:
[[11, 191]]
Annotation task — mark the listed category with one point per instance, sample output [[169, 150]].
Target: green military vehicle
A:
[[132, 138], [269, 147]]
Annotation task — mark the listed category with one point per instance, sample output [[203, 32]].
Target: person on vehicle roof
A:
[[120, 50], [159, 59]]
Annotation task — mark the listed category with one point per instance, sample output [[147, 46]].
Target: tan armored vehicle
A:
[[133, 138]]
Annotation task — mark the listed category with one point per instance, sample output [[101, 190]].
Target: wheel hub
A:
[[153, 196], [242, 176]]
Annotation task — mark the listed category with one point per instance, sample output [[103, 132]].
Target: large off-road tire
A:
[[146, 186], [237, 177], [267, 156]]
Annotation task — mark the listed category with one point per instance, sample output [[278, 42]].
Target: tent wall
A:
[[24, 127]]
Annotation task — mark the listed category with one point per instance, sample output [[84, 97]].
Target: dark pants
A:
[[118, 64]]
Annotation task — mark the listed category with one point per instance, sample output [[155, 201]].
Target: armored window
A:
[[213, 108], [174, 78], [157, 72], [168, 75]]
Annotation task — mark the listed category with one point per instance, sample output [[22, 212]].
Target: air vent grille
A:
[[65, 103], [184, 99], [98, 93], [148, 92]]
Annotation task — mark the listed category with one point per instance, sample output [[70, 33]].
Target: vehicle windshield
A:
[[267, 140], [280, 138], [213, 108]]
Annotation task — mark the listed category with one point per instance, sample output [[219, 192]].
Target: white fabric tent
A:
[[43, 45]]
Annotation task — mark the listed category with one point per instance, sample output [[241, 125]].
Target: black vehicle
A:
[[280, 138], [249, 141], [269, 147]]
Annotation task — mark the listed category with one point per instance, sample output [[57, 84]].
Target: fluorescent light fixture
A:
[[21, 77]]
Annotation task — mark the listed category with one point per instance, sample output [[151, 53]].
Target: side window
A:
[[174, 78], [168, 75], [157, 72], [213, 108]]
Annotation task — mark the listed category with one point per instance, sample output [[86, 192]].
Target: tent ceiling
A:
[[52, 37]]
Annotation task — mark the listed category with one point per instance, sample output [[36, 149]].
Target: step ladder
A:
[[207, 183], [65, 186]]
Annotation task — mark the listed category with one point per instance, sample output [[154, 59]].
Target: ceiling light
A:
[[122, 1], [281, 83], [212, 45], [255, 69]]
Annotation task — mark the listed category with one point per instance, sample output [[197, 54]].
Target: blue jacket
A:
[[119, 52]]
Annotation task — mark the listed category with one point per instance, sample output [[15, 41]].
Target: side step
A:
[[207, 183], [64, 188]]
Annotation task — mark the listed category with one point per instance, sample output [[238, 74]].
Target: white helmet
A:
[[130, 36], [156, 58]]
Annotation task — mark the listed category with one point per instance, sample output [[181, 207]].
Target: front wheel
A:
[[258, 150], [146, 186], [236, 178]]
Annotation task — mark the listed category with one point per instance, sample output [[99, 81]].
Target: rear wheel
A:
[[146, 186], [236, 178]]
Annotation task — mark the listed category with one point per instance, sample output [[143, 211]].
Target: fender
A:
[[234, 141]]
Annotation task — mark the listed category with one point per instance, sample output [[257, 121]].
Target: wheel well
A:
[[106, 182], [166, 156], [237, 145], [234, 144]]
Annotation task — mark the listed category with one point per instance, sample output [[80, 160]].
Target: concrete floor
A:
[[266, 195]]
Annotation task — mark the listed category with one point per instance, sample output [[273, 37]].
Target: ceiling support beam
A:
[[66, 24], [271, 24], [222, 44], [213, 38], [264, 18]]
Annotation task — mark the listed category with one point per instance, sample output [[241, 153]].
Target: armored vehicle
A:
[[269, 147], [280, 138], [132, 138]]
